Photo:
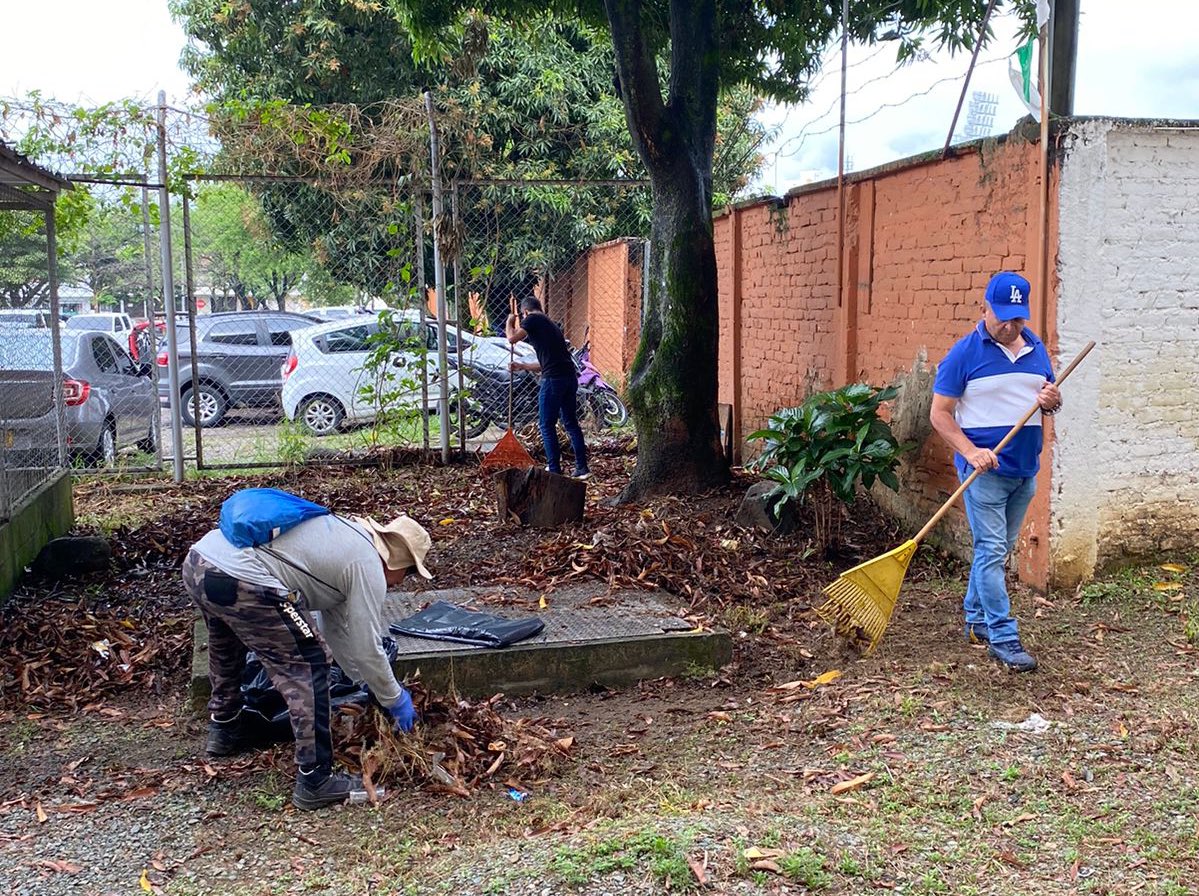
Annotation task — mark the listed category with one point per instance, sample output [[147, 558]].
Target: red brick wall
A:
[[614, 288], [921, 241], [599, 298], [787, 295], [568, 300]]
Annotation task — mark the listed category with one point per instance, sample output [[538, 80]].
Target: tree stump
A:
[[534, 497]]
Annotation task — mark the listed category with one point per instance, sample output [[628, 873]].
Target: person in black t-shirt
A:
[[559, 383]]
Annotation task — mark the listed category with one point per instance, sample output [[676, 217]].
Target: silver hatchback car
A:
[[109, 400]]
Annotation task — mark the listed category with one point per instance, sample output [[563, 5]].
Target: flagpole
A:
[[1042, 305]]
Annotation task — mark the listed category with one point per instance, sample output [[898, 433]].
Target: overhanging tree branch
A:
[[694, 70], [639, 85]]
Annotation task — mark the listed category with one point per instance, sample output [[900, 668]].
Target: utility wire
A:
[[837, 102], [803, 135], [826, 73]]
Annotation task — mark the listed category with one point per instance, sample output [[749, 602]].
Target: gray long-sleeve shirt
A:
[[334, 564]]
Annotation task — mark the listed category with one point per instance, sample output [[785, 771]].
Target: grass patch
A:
[[663, 856], [742, 618], [270, 795], [20, 734], [806, 866]]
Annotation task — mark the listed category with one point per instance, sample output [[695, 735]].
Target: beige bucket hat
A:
[[401, 543]]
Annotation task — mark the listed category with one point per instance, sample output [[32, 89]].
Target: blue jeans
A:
[[559, 398], [995, 507]]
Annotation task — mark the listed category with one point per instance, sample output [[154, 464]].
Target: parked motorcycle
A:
[[485, 400], [599, 398]]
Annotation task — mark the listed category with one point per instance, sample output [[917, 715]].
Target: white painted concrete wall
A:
[[1126, 455]]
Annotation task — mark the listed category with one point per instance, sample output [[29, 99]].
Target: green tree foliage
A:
[[531, 102], [24, 249], [671, 110], [25, 268], [98, 227], [109, 254], [237, 258]]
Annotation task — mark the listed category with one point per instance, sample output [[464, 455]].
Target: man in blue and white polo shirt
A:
[[986, 383]]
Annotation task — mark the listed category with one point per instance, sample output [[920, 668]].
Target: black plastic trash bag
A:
[[261, 698], [442, 621]]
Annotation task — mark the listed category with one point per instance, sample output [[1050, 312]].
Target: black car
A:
[[238, 355]]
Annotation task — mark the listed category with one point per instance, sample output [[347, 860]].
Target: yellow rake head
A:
[[861, 601]]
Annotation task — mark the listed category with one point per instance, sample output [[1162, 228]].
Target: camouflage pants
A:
[[279, 629]]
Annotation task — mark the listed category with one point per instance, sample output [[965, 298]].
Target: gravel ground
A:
[[110, 848]]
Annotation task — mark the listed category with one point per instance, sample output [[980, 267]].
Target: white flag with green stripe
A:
[[1020, 67]]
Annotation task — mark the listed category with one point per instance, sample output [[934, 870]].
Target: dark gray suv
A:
[[238, 355]]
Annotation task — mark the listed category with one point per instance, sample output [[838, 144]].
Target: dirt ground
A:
[[922, 768]]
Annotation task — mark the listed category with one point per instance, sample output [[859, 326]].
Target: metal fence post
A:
[[443, 403], [190, 286], [422, 289], [60, 418], [152, 330], [458, 317], [168, 288], [5, 501]]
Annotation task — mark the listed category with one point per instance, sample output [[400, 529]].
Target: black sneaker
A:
[[582, 474], [236, 735], [1012, 655], [334, 789]]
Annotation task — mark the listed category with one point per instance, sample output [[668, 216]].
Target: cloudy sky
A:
[[93, 51], [1135, 68]]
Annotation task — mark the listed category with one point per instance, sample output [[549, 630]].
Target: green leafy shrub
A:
[[823, 448]]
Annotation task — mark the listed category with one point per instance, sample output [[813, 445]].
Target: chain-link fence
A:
[[33, 425], [549, 240], [102, 337], [307, 309], [312, 329]]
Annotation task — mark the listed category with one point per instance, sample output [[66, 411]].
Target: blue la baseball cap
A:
[[1007, 294]]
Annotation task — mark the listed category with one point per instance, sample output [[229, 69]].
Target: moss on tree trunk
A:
[[673, 383], [672, 386]]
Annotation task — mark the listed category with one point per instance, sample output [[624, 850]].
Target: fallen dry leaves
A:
[[460, 746], [852, 784], [65, 654]]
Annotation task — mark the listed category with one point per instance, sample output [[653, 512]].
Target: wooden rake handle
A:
[[1061, 378], [511, 359]]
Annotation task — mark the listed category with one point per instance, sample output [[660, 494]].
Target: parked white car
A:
[[325, 376], [334, 312], [24, 317], [491, 352], [119, 325]]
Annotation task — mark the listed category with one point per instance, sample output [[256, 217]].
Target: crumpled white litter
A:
[[1034, 724]]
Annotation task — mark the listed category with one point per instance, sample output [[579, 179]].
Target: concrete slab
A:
[[590, 638]]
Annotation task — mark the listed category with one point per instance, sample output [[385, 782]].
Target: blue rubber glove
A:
[[402, 712]]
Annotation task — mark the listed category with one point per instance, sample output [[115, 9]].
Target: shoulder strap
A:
[[300, 569], [297, 567]]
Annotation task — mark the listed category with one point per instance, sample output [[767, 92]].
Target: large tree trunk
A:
[[672, 385]]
